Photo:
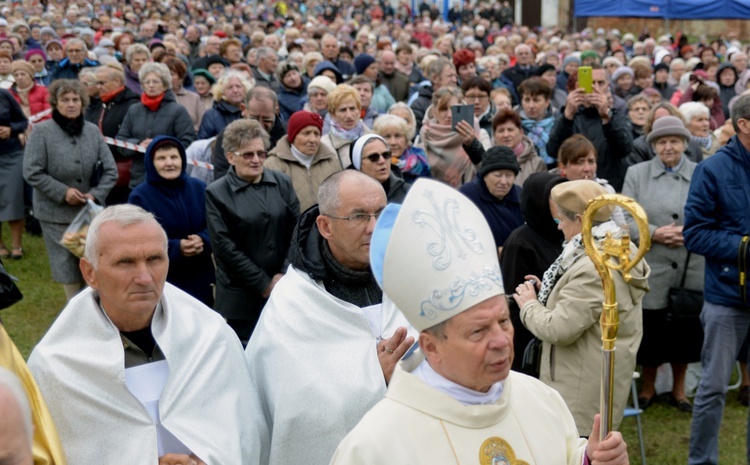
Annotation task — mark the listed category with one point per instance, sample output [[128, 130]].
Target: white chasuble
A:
[[416, 424], [80, 368], [314, 368]]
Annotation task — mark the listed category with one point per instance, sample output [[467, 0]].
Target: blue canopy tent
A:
[[666, 9]]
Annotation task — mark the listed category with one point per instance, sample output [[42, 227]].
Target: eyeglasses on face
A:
[[375, 157], [261, 154], [359, 219]]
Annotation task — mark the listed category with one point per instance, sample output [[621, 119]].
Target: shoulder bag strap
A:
[[684, 272], [743, 268]]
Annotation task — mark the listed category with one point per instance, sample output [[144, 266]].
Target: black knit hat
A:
[[499, 158]]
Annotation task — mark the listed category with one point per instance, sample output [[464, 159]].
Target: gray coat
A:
[[662, 196], [54, 161], [170, 119]]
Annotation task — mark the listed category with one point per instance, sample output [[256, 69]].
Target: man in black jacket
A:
[[524, 67], [592, 116], [116, 100]]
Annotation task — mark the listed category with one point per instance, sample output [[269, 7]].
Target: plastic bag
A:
[[74, 238]]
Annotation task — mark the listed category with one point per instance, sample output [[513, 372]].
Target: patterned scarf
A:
[[704, 142], [347, 134], [572, 251], [538, 132]]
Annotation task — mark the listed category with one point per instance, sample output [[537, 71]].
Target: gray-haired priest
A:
[[134, 370], [455, 399]]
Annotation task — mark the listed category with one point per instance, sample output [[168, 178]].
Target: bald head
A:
[[388, 62]]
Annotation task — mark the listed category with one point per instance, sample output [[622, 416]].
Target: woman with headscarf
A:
[[372, 156], [301, 156], [565, 315], [202, 82], [292, 91], [452, 153], [530, 249], [179, 204]]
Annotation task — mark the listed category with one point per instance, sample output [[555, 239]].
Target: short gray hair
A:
[[136, 49], [329, 200], [123, 215], [384, 122], [740, 110], [160, 70], [413, 123], [242, 131], [60, 87], [436, 68], [12, 384], [74, 41], [690, 110], [264, 52]]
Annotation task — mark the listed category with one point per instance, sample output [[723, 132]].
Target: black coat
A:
[[530, 249], [613, 141], [503, 216], [251, 227], [421, 104], [518, 75], [109, 116], [140, 123]]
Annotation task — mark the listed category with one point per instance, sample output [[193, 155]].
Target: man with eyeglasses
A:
[[328, 340], [262, 105], [75, 61]]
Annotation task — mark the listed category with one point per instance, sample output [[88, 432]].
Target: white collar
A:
[[466, 396]]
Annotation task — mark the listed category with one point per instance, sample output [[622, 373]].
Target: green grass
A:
[[666, 430]]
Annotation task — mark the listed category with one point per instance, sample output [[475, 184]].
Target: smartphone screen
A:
[[462, 113], [585, 81]]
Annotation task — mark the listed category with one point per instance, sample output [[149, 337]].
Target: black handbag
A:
[[96, 174], [532, 358], [684, 303], [9, 292]]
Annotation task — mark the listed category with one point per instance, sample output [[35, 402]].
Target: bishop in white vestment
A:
[[456, 400]]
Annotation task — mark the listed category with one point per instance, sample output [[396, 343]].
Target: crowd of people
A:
[[261, 143]]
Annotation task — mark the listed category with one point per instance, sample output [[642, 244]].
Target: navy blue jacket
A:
[[716, 218], [291, 100], [217, 118], [66, 70], [503, 216], [180, 208]]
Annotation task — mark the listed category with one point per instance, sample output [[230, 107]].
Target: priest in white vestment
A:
[[136, 371], [455, 400], [327, 340]]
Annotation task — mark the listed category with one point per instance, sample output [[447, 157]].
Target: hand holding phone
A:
[[585, 80], [462, 113]]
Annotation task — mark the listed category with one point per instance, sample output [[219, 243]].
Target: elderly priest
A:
[[136, 371], [456, 399]]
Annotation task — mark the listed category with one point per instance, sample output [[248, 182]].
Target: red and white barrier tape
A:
[[138, 148], [38, 116]]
